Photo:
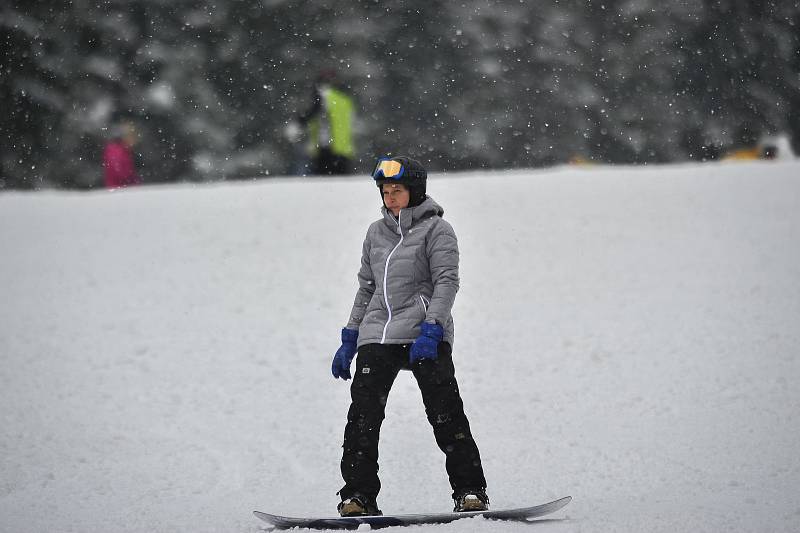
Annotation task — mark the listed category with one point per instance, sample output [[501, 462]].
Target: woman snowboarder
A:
[[401, 320]]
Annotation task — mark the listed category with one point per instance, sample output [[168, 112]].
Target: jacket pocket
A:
[[424, 303]]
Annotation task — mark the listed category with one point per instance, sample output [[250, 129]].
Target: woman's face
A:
[[395, 197]]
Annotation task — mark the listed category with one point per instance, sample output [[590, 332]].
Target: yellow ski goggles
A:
[[388, 168], [392, 169]]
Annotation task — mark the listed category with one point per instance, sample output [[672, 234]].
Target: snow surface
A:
[[627, 336]]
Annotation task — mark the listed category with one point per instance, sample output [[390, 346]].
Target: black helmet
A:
[[402, 170]]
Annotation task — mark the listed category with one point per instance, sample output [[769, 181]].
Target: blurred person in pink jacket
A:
[[118, 165]]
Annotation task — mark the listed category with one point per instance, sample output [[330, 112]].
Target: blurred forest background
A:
[[212, 84]]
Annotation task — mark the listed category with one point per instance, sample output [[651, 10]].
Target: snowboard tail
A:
[[522, 514]]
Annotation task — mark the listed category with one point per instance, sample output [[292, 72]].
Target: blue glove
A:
[[427, 344], [344, 355]]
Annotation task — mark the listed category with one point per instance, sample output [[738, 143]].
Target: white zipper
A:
[[385, 274]]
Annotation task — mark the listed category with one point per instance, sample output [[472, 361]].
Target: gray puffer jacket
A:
[[408, 275]]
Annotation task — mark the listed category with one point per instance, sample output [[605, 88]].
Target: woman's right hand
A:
[[340, 368]]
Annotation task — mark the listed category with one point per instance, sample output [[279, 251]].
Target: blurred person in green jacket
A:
[[329, 125]]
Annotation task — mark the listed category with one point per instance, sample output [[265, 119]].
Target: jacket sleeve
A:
[[366, 287], [313, 110], [442, 250]]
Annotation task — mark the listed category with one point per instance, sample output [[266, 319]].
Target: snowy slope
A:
[[627, 336]]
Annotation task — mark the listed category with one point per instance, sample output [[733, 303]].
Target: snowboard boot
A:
[[470, 500], [358, 505]]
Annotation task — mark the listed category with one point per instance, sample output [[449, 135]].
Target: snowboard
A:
[[522, 514]]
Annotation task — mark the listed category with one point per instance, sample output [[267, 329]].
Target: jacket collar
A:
[[411, 215]]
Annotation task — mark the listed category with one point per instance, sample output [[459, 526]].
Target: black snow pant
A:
[[377, 366], [328, 163]]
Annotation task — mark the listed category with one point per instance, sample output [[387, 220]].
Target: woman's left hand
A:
[[427, 344]]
